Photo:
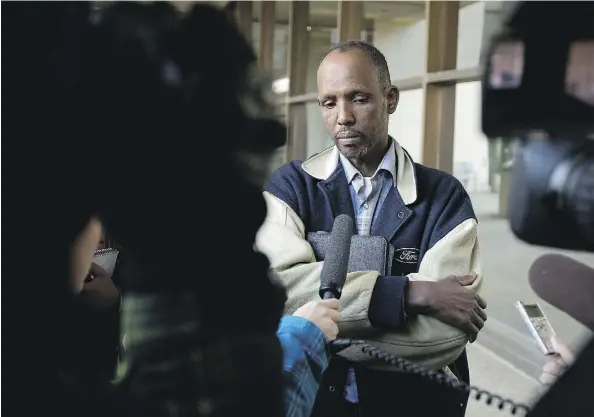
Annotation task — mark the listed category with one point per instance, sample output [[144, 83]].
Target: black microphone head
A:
[[565, 283], [336, 260]]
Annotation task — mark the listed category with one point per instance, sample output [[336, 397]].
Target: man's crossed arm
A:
[[445, 311]]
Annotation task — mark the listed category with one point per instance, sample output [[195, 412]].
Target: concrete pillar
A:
[[297, 73], [440, 98], [350, 20], [267, 24]]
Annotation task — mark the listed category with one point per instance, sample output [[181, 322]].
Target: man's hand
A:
[[324, 313], [448, 301], [557, 363], [100, 292]]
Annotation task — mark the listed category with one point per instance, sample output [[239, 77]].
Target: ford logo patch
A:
[[407, 255]]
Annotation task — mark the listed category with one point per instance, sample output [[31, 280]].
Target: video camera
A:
[[538, 87]]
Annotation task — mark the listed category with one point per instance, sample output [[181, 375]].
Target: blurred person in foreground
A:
[[149, 92]]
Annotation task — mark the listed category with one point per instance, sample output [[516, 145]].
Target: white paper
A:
[[106, 259]]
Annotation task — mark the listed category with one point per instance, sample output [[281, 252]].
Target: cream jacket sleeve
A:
[[424, 339]]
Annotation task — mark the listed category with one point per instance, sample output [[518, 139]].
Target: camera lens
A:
[[580, 197], [572, 184]]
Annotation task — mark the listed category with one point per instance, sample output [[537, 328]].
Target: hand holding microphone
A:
[[324, 313], [557, 363], [333, 276]]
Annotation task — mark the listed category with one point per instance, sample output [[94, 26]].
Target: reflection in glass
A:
[[579, 76], [507, 65]]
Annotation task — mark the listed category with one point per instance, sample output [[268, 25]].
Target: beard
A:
[[366, 142], [359, 150]]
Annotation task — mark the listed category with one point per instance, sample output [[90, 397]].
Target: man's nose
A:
[[345, 115]]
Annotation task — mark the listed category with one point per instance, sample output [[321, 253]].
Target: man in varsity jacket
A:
[[428, 308]]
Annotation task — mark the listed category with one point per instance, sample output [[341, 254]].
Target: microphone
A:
[[565, 283], [336, 259]]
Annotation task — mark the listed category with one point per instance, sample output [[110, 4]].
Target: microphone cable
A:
[[440, 378]]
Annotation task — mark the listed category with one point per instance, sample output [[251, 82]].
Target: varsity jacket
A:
[[427, 217]]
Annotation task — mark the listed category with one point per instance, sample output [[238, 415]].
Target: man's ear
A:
[[393, 98]]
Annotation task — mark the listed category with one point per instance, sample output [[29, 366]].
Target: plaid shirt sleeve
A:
[[304, 359]]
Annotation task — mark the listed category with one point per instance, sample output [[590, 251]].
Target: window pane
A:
[[400, 34], [471, 148], [318, 138], [406, 124]]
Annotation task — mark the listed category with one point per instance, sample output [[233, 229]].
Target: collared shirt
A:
[[368, 194], [304, 359]]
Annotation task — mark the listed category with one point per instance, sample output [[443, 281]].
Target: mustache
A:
[[343, 134]]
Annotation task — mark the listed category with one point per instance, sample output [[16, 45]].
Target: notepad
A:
[[106, 259]]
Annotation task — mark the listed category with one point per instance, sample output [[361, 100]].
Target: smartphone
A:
[[539, 326]]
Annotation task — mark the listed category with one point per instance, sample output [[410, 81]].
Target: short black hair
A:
[[378, 60]]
